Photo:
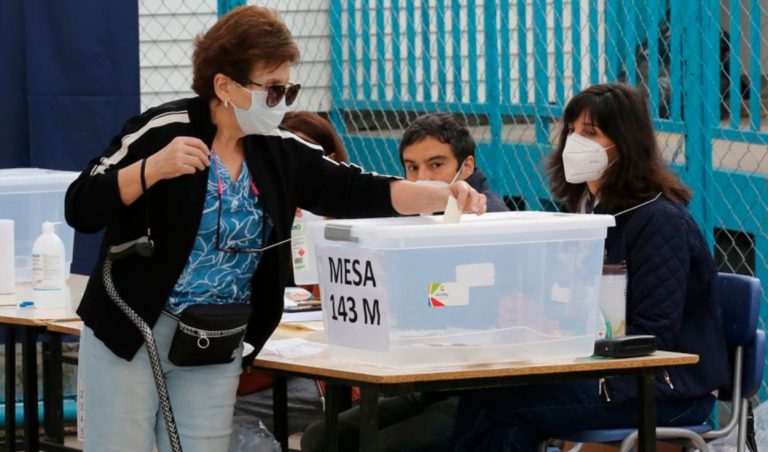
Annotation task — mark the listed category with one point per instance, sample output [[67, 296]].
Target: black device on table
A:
[[626, 346]]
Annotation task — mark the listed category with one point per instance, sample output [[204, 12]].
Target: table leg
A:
[[646, 392], [10, 388], [280, 410], [29, 372], [332, 400], [53, 398], [369, 418]]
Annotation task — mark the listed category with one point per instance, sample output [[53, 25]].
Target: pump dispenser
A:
[[48, 285]]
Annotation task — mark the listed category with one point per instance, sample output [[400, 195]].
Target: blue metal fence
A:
[[506, 63]]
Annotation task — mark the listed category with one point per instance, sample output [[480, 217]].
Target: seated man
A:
[[434, 147]]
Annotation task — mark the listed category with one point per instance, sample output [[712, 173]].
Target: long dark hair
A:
[[640, 172]]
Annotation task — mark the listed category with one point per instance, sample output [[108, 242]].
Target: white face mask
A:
[[583, 159], [260, 119]]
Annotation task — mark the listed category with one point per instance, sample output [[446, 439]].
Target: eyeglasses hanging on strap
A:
[[236, 249]]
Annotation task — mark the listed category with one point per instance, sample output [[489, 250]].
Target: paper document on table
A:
[[291, 348], [313, 325]]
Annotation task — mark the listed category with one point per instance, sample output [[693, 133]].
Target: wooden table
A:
[[33, 321], [52, 380], [72, 327], [374, 381]]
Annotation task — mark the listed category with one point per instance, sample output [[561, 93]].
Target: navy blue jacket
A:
[[671, 294], [494, 203]]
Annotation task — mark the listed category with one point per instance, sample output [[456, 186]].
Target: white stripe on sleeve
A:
[[158, 121]]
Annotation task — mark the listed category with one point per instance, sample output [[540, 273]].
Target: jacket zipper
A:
[[668, 379], [602, 387]]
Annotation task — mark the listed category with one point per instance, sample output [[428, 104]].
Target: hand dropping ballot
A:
[[452, 213]]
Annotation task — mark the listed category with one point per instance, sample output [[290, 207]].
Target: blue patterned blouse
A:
[[211, 275]]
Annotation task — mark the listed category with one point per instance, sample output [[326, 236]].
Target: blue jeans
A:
[[121, 405], [519, 418]]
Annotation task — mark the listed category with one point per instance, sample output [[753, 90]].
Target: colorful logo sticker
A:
[[447, 294]]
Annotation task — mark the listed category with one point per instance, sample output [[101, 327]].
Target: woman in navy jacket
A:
[[608, 162], [215, 183]]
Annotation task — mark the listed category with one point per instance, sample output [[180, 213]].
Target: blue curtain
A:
[[69, 78]]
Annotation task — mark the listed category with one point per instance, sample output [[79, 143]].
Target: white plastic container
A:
[[414, 292], [7, 264], [48, 280], [613, 300], [29, 196]]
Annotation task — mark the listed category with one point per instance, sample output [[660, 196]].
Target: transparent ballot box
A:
[[30, 196], [412, 291]]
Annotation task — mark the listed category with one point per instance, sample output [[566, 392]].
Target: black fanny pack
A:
[[209, 334]]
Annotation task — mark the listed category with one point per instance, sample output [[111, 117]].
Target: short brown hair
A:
[[247, 37], [318, 130]]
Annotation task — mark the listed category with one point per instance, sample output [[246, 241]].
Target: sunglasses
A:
[[275, 93]]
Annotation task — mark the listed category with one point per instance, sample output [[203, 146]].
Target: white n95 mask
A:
[[259, 118], [583, 159]]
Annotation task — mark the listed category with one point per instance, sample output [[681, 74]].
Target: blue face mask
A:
[[260, 119]]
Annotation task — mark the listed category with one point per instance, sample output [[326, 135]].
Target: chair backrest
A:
[[753, 365], [739, 298]]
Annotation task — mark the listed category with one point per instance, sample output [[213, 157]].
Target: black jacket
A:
[[288, 172], [478, 181], [671, 293]]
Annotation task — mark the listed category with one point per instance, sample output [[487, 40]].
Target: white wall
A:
[[167, 29]]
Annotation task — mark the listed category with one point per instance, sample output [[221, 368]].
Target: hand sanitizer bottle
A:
[[48, 286], [303, 258]]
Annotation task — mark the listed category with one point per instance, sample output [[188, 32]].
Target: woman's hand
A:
[[468, 199], [183, 155], [410, 198]]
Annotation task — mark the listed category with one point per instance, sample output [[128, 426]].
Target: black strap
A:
[[142, 176], [589, 203]]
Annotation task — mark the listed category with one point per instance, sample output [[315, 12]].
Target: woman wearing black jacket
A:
[[213, 181], [608, 162]]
